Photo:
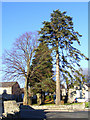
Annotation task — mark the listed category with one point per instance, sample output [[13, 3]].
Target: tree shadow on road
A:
[[28, 113]]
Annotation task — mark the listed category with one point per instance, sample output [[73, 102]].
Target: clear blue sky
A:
[[21, 17]]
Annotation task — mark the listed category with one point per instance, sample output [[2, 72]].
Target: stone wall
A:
[[78, 107], [10, 106]]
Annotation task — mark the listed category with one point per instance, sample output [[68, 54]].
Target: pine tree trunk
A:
[[57, 79], [25, 99]]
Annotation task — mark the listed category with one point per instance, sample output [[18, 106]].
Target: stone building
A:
[[10, 90]]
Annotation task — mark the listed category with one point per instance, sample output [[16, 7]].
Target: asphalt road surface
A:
[[54, 115]]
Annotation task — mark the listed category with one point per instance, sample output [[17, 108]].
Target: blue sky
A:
[[18, 18], [21, 17]]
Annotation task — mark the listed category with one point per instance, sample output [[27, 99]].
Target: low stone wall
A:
[[78, 107], [11, 110], [10, 106]]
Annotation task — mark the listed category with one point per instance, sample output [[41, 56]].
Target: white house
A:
[[82, 94]]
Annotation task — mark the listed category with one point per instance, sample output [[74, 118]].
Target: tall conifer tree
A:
[[60, 35]]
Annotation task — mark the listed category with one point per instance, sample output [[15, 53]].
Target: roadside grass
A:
[[87, 104], [72, 103]]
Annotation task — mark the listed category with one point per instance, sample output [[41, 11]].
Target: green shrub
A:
[[47, 97]]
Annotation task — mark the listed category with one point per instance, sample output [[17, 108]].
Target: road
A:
[[32, 114]]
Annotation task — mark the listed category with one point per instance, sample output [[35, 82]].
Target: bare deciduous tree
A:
[[17, 61]]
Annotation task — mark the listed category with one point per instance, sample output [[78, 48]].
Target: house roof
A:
[[7, 84]]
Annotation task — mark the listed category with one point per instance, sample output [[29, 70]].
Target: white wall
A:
[[78, 93], [86, 94], [63, 92]]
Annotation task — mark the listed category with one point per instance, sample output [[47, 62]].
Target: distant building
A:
[[86, 91], [79, 93], [10, 90]]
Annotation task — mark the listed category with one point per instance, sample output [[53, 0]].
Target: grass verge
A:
[[87, 104]]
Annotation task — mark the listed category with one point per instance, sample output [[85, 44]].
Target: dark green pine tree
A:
[[42, 76], [60, 35]]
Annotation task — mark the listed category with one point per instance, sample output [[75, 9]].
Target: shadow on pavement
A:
[[28, 113]]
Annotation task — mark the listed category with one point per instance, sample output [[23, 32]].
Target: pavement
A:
[[32, 114]]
